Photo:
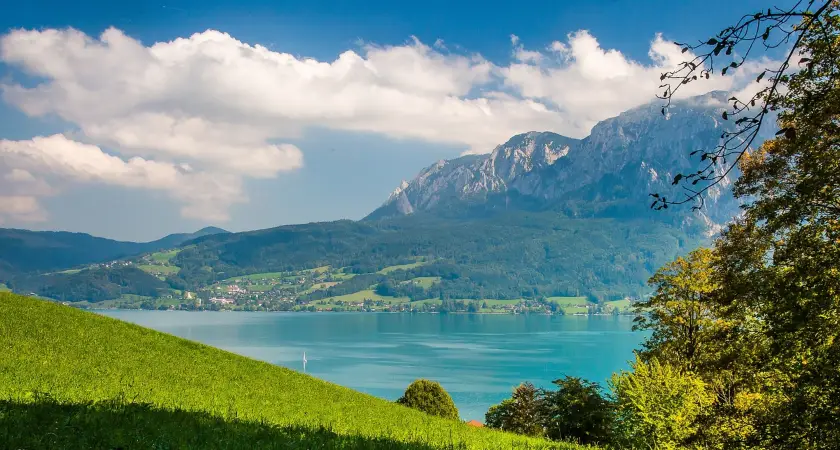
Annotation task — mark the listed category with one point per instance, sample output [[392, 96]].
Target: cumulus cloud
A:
[[56, 157], [592, 83], [202, 113]]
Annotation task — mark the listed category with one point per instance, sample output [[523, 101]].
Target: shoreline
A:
[[356, 312]]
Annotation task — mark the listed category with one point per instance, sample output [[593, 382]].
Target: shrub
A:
[[429, 397]]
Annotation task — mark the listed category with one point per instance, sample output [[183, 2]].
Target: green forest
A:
[[505, 256]]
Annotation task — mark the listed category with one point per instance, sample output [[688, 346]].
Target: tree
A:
[[498, 416], [680, 313], [808, 32], [577, 411], [657, 406], [521, 413], [429, 397], [778, 266]]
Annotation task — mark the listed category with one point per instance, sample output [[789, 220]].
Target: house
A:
[[223, 301], [475, 423]]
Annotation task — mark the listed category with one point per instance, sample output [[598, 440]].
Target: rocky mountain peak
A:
[[611, 171]]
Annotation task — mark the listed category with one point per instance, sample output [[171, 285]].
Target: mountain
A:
[[23, 251], [610, 173], [541, 215], [476, 177], [174, 240]]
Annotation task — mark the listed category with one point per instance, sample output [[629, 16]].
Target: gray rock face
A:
[[618, 165]]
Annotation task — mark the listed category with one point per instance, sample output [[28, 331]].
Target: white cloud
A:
[[592, 83], [204, 195], [23, 208], [209, 110]]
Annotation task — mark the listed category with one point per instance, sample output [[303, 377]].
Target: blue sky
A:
[[292, 161]]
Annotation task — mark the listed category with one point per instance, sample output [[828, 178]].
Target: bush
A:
[[429, 397]]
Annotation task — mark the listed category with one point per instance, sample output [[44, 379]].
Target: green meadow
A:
[[164, 257], [74, 379], [424, 282], [389, 269], [366, 294], [155, 269], [259, 276]]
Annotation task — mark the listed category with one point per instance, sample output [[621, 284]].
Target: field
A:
[[389, 269], [155, 269], [260, 287], [73, 379], [319, 286], [569, 301], [342, 276], [360, 296], [424, 282], [258, 277], [164, 257]]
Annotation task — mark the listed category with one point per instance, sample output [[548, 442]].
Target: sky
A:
[[132, 120]]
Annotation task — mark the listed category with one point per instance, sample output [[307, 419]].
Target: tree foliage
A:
[[657, 405], [577, 411], [774, 362], [429, 397], [522, 413], [680, 314]]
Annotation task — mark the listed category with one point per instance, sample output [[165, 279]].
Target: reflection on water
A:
[[477, 358]]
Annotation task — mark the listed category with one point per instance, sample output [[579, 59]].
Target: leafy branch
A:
[[730, 49]]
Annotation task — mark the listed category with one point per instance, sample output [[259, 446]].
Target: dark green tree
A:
[[576, 411], [521, 413]]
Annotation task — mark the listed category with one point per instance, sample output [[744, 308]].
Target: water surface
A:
[[477, 358]]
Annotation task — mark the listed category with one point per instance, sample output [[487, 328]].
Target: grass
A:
[[74, 379], [620, 304], [164, 257], [390, 269], [258, 276], [342, 276], [318, 270], [156, 269], [259, 287], [360, 296], [569, 301], [424, 282], [575, 310], [318, 287], [4, 288]]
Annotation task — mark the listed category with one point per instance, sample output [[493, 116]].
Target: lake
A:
[[477, 358]]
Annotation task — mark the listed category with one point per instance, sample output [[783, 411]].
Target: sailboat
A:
[[304, 361]]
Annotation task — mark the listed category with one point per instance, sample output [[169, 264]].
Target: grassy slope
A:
[[114, 384], [366, 294]]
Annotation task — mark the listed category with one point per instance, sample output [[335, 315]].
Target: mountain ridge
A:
[[599, 175], [23, 250]]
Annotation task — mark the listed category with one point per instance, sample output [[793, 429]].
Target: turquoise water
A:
[[477, 358]]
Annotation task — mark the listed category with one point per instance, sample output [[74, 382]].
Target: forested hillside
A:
[[506, 255], [24, 251]]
